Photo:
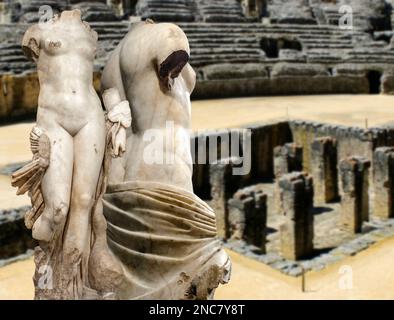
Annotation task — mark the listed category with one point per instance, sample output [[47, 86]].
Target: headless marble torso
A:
[[156, 103], [70, 114], [65, 71]]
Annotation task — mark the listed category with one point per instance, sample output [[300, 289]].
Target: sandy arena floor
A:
[[372, 278], [373, 275]]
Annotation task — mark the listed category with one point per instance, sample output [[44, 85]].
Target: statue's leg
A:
[[56, 185], [89, 145]]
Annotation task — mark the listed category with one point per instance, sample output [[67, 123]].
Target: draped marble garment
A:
[[165, 238]]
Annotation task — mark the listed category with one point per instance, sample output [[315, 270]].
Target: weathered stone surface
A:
[[248, 216], [287, 158], [350, 140], [355, 197], [219, 11], [95, 11], [234, 71], [15, 239], [296, 232], [383, 182], [223, 185], [366, 14], [292, 69], [293, 11], [165, 10], [28, 11], [264, 140], [291, 55], [324, 169]]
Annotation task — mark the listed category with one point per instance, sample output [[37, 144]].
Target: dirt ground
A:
[[370, 273]]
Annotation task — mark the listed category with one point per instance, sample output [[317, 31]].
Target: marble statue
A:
[[163, 234], [111, 221]]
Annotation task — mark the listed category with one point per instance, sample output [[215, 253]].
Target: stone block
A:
[[324, 169], [383, 182], [296, 232], [248, 216], [354, 172]]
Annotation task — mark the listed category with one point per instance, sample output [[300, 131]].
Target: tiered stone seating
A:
[[110, 34], [216, 43], [191, 10], [95, 11], [12, 59], [28, 11], [219, 10], [293, 11], [221, 43], [166, 10], [368, 15], [234, 56]]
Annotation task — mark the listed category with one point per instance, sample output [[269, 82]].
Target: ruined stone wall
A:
[[290, 85], [216, 183], [264, 138], [350, 140]]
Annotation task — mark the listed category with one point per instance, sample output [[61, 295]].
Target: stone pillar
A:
[[287, 158], [254, 8], [324, 169], [354, 173], [261, 8], [383, 181], [116, 6], [296, 232], [223, 185], [248, 216], [5, 12]]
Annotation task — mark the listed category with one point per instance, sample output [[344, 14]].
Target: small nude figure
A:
[[71, 144], [71, 116]]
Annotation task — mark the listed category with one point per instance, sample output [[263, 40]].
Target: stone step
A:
[[317, 33], [12, 58], [328, 59], [328, 46], [372, 60], [165, 5], [17, 67], [220, 11], [224, 57], [226, 45], [9, 46], [253, 26], [115, 25], [216, 10], [326, 41], [153, 3], [224, 40], [209, 51], [200, 62], [172, 10], [111, 36], [223, 18], [173, 17], [11, 52]]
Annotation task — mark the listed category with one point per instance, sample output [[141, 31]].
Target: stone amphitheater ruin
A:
[[316, 192]]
